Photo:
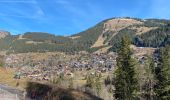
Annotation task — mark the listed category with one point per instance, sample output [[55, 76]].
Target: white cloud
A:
[[14, 26], [31, 9], [72, 8]]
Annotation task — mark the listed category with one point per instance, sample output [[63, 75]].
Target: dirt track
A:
[[9, 93]]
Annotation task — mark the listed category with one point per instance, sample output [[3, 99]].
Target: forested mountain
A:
[[108, 33]]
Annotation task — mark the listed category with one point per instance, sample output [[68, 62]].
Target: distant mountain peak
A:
[[4, 33], [112, 26]]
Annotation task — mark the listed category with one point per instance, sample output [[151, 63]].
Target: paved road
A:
[[9, 93]]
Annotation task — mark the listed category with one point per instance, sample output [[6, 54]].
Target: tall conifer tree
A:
[[126, 84], [162, 74]]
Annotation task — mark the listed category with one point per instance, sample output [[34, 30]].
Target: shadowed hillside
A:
[[49, 92]]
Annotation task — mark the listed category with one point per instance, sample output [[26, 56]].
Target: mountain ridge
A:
[[142, 33]]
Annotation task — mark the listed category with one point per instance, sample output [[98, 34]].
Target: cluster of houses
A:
[[46, 68]]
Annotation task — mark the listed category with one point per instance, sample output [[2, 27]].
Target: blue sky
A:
[[66, 17]]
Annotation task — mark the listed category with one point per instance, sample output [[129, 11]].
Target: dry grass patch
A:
[[103, 50], [143, 29], [6, 77], [140, 51], [74, 37], [99, 42]]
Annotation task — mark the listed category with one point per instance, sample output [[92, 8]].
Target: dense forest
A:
[[153, 84]]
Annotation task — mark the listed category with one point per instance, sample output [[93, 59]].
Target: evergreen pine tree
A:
[[162, 74], [126, 84], [90, 81], [148, 79], [98, 86], [71, 83]]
